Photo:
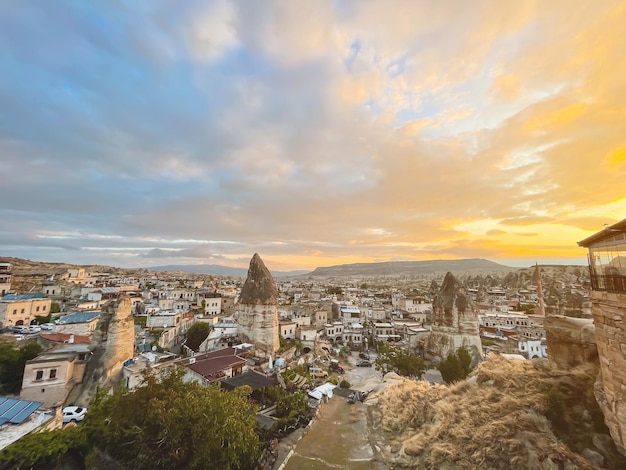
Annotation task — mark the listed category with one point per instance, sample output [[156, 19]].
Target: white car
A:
[[34, 329], [73, 413], [47, 326]]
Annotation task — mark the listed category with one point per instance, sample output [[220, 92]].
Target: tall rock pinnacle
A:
[[259, 288], [258, 310]]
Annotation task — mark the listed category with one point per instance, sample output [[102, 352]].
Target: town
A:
[[97, 329]]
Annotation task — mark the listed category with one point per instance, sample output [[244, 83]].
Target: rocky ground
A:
[[507, 415]]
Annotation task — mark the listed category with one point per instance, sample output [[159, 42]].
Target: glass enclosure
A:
[[607, 263]]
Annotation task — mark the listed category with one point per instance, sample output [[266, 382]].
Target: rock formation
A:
[[571, 341], [455, 323], [609, 312], [258, 309], [113, 342]]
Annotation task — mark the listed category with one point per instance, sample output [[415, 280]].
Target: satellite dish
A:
[[154, 348]]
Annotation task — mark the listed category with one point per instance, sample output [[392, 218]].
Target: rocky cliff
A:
[[571, 341], [113, 343]]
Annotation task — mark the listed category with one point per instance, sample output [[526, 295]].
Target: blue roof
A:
[[24, 296], [78, 317], [16, 411]]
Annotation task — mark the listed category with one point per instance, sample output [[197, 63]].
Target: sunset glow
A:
[[312, 132]]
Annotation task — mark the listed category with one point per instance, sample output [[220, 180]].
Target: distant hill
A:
[[216, 270], [411, 268]]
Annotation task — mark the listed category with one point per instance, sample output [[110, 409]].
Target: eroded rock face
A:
[[113, 343], [259, 288], [571, 341], [258, 309], [609, 313], [455, 322]]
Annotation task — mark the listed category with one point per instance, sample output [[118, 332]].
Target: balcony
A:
[[615, 283]]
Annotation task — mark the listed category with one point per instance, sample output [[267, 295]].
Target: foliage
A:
[[393, 357], [290, 404], [344, 383], [334, 290], [527, 308], [12, 361], [55, 307], [141, 320], [44, 449], [168, 423], [197, 334], [43, 318], [456, 366]]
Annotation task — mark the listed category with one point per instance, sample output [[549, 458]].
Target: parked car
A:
[[47, 326], [34, 329], [335, 366], [18, 336], [73, 414], [20, 329], [318, 373], [364, 355], [364, 363]]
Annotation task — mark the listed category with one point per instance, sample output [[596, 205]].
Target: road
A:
[[339, 436]]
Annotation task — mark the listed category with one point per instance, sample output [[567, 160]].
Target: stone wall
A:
[[609, 312]]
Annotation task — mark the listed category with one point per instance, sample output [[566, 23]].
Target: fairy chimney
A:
[[258, 309], [455, 322]]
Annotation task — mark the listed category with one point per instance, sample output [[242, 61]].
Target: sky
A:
[[142, 133]]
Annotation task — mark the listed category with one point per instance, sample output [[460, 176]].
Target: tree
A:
[[45, 449], [396, 358], [12, 361], [55, 308], [456, 366], [167, 423], [196, 334]]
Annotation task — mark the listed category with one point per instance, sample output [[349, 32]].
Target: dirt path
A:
[[338, 438]]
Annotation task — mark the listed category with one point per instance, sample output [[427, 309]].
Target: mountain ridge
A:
[[409, 268]]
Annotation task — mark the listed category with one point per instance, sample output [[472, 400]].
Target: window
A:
[[44, 308], [53, 373], [22, 311], [14, 311], [37, 308], [39, 375]]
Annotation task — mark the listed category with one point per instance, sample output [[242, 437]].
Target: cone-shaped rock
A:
[[449, 302], [455, 322], [259, 287], [258, 309]]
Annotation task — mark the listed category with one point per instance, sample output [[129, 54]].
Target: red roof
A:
[[65, 337], [210, 365]]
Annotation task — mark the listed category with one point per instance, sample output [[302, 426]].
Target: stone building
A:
[[258, 309], [21, 309], [454, 322], [607, 266], [5, 278], [51, 376]]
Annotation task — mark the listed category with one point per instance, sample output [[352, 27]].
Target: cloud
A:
[[313, 132]]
